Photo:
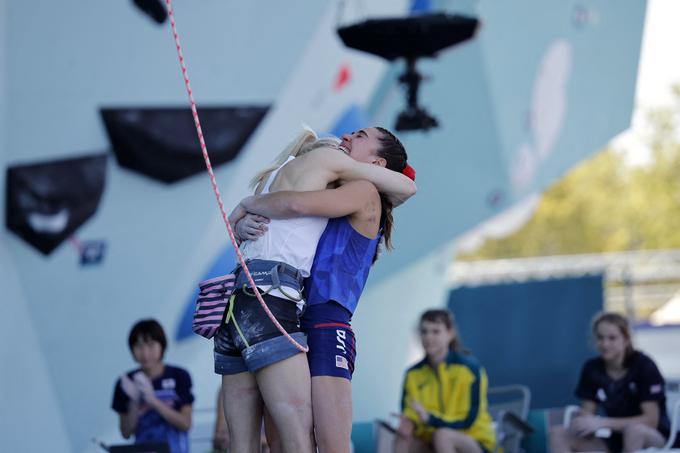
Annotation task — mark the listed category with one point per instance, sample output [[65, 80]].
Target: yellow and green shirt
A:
[[455, 396]]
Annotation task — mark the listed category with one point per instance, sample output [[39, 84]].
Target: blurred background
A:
[[548, 191]]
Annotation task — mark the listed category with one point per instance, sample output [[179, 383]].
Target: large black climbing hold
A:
[[47, 202], [155, 9], [162, 142], [410, 37]]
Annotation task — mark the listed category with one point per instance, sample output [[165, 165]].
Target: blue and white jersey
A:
[[173, 387]]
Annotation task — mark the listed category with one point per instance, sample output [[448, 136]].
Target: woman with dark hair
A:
[[153, 401], [444, 404], [626, 386], [340, 270], [353, 183]]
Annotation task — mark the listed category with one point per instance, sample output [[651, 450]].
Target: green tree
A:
[[605, 204]]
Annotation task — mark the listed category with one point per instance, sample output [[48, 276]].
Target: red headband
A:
[[410, 172]]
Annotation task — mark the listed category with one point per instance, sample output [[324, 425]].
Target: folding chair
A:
[[509, 408]]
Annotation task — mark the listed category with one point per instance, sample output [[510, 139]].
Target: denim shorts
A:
[[259, 343]]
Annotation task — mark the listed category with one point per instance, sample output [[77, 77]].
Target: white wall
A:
[[32, 420], [30, 413]]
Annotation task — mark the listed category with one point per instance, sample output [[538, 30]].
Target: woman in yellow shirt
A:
[[444, 405]]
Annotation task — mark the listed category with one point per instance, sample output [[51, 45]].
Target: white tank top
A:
[[292, 241]]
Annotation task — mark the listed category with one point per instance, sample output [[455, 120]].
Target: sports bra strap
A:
[[273, 174]]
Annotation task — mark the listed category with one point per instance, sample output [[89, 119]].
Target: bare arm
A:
[[235, 217], [588, 423], [406, 427], [588, 407], [649, 417], [396, 186], [345, 200], [128, 420], [236, 214], [180, 419]]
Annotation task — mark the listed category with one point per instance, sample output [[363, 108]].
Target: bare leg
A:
[[410, 444], [264, 444], [221, 433], [332, 409], [243, 411], [560, 440], [272, 434], [401, 444], [563, 441], [446, 440], [286, 390], [273, 438], [406, 442], [639, 436]]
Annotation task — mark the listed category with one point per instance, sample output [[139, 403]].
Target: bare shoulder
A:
[[366, 193], [366, 219], [312, 171], [326, 156], [363, 188]]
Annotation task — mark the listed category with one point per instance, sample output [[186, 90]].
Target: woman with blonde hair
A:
[[626, 386], [316, 181]]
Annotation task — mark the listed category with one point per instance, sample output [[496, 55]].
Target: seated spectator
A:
[[626, 386], [153, 401], [444, 404]]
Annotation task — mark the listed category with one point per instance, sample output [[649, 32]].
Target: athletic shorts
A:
[[332, 345], [259, 343], [332, 350]]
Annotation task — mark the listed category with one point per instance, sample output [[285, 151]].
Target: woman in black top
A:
[[626, 387]]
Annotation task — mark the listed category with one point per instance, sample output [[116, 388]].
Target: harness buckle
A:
[[274, 273]]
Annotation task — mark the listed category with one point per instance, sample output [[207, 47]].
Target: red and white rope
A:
[[213, 181]]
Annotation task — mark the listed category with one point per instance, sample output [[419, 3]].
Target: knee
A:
[[558, 432], [329, 443], [635, 431], [561, 438], [292, 405], [402, 442], [292, 417], [444, 436]]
